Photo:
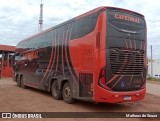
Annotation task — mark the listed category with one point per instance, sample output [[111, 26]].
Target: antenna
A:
[[40, 27]]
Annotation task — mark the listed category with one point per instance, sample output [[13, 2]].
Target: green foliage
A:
[[153, 79]]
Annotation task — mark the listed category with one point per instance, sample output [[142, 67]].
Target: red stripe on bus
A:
[[130, 80], [57, 55], [68, 59], [130, 43], [52, 65], [117, 81], [141, 45], [126, 43], [115, 76], [46, 73], [134, 44], [62, 55]]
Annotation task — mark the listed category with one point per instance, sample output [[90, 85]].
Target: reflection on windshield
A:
[[125, 21]]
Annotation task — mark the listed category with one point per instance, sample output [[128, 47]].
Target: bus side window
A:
[[85, 25], [82, 27], [75, 30]]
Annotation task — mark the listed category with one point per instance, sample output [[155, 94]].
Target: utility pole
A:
[[151, 63], [40, 25]]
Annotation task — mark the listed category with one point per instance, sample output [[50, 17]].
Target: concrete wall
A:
[[156, 68]]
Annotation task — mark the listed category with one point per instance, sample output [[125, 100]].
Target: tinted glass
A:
[[124, 21], [84, 26]]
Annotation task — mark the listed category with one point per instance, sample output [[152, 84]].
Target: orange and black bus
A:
[[99, 56]]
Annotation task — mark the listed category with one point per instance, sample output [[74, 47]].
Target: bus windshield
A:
[[127, 22]]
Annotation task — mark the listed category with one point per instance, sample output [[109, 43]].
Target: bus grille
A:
[[126, 62]]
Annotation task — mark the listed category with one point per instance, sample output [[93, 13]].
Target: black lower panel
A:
[[126, 83], [85, 82]]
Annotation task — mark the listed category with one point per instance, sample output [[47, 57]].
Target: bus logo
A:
[[122, 84], [127, 18]]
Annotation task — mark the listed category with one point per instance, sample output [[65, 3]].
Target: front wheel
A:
[[56, 92], [18, 82], [68, 94]]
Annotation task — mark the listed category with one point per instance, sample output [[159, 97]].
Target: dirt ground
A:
[[15, 99], [153, 82], [153, 89]]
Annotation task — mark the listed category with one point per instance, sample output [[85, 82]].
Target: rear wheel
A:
[[18, 82], [56, 92], [67, 93], [22, 83]]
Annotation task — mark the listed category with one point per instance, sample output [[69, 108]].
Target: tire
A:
[[18, 82], [56, 92], [68, 93], [22, 82]]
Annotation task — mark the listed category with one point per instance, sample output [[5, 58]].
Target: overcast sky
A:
[[19, 18]]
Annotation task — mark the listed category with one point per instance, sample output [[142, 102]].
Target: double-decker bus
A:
[[99, 56]]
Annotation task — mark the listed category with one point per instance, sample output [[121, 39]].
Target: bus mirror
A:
[[98, 40]]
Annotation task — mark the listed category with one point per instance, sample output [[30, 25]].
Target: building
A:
[[6, 52], [156, 68]]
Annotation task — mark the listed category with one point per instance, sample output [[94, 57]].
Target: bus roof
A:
[[79, 17], [126, 10], [104, 8]]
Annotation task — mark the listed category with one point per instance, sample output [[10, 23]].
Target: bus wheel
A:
[[18, 82], [67, 93], [56, 92], [22, 83]]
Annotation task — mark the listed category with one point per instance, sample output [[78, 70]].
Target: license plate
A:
[[127, 98]]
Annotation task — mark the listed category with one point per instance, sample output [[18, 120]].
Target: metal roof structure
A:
[[7, 48]]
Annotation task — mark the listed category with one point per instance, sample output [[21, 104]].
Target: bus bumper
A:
[[118, 97]]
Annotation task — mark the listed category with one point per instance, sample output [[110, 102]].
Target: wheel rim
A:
[[67, 92]]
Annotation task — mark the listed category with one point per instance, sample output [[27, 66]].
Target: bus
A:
[[99, 56]]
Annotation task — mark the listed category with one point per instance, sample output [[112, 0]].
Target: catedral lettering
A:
[[127, 18], [87, 58]]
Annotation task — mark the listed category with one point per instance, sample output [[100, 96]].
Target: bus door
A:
[[29, 64]]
